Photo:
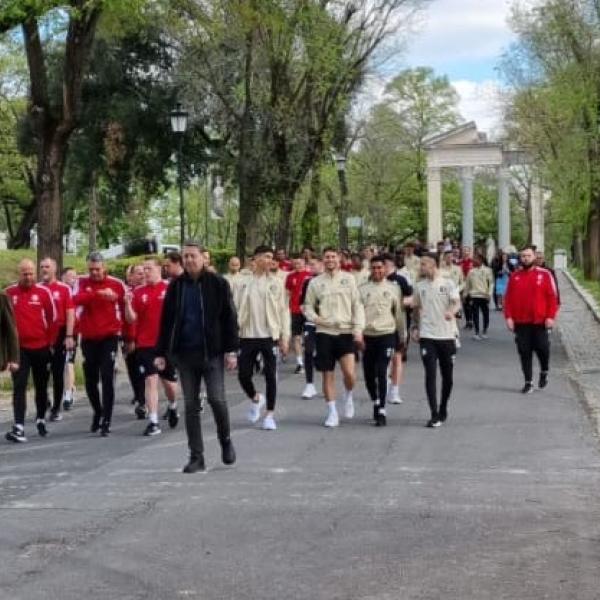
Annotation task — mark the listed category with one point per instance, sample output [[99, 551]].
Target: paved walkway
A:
[[580, 333], [500, 503]]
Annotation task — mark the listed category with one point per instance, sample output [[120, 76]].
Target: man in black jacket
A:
[[199, 333]]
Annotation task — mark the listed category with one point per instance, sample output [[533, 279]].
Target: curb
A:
[[583, 294], [589, 398]]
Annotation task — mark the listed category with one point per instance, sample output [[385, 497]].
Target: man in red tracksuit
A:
[[35, 317], [101, 298], [530, 307], [294, 284], [63, 332]]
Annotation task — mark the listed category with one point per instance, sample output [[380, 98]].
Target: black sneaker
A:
[[443, 414], [95, 424], [195, 465], [433, 423], [227, 452], [140, 412], [152, 429], [543, 381], [298, 370], [375, 413], [166, 414], [105, 429], [16, 435], [527, 388], [381, 420], [172, 417], [55, 416], [41, 427]]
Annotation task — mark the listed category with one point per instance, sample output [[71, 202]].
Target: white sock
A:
[[347, 395], [331, 406], [299, 361], [154, 418], [18, 427], [395, 389], [40, 421], [172, 404]]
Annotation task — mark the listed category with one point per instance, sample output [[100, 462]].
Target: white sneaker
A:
[[457, 342], [269, 423], [477, 337], [309, 391], [255, 408], [348, 405], [333, 419], [394, 395]]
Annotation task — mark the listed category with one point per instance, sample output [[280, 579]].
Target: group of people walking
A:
[[330, 309]]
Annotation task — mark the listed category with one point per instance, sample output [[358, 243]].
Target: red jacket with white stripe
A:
[[99, 317], [531, 297], [35, 315]]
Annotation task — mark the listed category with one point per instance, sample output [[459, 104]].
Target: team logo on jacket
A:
[[273, 288], [144, 298], [344, 281], [15, 299], [35, 298], [56, 295]]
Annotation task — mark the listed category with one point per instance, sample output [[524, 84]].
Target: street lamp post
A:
[[340, 161], [179, 121]]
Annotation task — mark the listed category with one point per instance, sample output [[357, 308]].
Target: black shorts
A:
[[330, 348], [298, 324], [145, 363]]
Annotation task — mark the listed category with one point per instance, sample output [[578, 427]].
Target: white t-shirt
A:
[[433, 299]]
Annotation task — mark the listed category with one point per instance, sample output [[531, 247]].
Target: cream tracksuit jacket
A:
[[455, 274], [480, 283], [384, 313], [277, 310], [333, 304]]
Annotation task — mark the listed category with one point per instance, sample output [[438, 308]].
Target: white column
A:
[[434, 205], [537, 216], [503, 208], [467, 206]]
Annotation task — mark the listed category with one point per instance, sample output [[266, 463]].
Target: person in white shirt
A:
[[435, 303]]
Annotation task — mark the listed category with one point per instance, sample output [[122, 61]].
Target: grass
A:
[[593, 287], [9, 261]]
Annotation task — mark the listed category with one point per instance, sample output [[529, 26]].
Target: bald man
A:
[[35, 317], [63, 332]]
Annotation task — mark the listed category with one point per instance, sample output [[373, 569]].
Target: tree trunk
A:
[[22, 237], [592, 244], [49, 201], [282, 237], [310, 220], [93, 230]]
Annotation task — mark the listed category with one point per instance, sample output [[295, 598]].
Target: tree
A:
[[555, 110], [388, 169], [53, 125], [280, 74]]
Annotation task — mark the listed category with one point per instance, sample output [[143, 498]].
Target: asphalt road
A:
[[500, 503]]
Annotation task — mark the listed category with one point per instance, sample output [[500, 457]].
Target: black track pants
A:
[[250, 348], [530, 339], [434, 352], [376, 359]]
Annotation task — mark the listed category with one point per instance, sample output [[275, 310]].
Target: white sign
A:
[[354, 222]]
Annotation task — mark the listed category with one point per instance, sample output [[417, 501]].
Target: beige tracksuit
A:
[[262, 307], [384, 313], [480, 283], [455, 274], [333, 303]]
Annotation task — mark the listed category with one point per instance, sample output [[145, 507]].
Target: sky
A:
[[463, 39]]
